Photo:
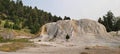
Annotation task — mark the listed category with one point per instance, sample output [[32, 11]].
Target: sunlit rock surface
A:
[[83, 30]]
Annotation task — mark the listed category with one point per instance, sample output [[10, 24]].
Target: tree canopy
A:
[[111, 22], [24, 16]]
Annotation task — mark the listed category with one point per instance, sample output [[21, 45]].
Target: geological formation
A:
[[83, 30]]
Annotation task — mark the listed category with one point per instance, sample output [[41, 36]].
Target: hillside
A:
[[72, 37], [17, 16]]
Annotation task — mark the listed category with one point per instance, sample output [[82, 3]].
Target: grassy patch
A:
[[20, 40], [2, 40], [14, 46], [23, 32]]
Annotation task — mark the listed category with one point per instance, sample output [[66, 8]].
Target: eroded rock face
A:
[[83, 30]]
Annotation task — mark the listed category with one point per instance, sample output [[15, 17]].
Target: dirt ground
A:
[[52, 48]]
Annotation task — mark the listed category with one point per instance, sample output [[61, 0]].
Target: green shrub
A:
[[67, 37], [3, 40]]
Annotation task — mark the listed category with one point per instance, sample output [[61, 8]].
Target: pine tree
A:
[[117, 25], [100, 20], [67, 18], [108, 21]]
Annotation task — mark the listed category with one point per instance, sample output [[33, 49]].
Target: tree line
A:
[[17, 16], [111, 22]]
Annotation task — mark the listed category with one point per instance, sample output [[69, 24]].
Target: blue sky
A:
[[77, 9]]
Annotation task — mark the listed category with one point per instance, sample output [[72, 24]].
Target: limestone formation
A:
[[83, 30]]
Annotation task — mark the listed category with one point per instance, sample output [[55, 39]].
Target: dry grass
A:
[[87, 48], [84, 53], [43, 30], [44, 45], [23, 32], [100, 47], [14, 46]]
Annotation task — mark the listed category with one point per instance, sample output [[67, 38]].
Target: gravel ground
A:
[[55, 48]]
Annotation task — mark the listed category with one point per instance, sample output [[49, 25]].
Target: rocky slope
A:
[[83, 30]]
